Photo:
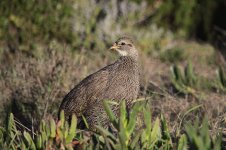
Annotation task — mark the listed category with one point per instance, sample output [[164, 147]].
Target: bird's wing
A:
[[86, 92]]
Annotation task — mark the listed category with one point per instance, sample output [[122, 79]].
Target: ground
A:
[[35, 84]]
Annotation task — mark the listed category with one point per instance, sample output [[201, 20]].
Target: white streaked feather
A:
[[123, 53]]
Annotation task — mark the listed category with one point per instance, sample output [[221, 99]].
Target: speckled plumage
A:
[[117, 81]]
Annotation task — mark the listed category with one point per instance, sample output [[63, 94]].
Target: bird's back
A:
[[85, 93]]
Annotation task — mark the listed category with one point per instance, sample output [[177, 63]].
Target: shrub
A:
[[24, 23]]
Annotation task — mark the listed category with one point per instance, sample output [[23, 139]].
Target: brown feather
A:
[[117, 81]]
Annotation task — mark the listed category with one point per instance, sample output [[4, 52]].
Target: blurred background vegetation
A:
[[46, 47], [24, 24]]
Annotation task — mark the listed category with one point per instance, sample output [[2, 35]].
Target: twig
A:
[[20, 124]]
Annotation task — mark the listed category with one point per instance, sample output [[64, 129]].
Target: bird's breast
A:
[[123, 85]]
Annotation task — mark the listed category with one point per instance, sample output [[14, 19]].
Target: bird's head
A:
[[125, 47]]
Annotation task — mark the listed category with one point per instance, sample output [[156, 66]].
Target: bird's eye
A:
[[123, 43]]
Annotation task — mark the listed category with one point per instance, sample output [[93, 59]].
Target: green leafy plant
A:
[[221, 80], [50, 135], [151, 135], [126, 133], [184, 82], [199, 137]]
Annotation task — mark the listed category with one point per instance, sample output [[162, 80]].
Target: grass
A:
[[127, 133], [36, 86], [33, 87], [34, 81], [172, 55]]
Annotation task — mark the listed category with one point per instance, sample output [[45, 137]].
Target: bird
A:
[[117, 82]]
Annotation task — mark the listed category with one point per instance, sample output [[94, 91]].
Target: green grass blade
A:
[[110, 113], [29, 140], [182, 144], [52, 128], [72, 129], [133, 117]]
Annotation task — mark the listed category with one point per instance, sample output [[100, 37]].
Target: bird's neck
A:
[[129, 59], [129, 62]]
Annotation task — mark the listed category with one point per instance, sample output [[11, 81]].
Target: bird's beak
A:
[[114, 47]]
